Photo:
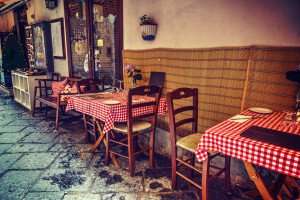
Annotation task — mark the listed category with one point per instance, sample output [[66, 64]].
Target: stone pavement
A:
[[38, 163]]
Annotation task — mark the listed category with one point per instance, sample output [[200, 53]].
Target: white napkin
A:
[[240, 118]]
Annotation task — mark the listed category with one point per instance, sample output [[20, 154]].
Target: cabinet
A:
[[23, 88]]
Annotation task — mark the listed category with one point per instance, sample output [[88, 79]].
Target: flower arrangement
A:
[[133, 73], [147, 20]]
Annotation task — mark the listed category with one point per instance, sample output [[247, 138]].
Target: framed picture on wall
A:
[[57, 38]]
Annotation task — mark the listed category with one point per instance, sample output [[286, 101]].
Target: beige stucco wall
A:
[[37, 11], [210, 23]]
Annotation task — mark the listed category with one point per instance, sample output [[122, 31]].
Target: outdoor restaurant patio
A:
[[139, 99]]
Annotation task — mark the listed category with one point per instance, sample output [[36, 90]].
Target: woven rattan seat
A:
[[189, 142], [137, 127]]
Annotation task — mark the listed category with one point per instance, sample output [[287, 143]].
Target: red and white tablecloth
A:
[[92, 104], [225, 138]]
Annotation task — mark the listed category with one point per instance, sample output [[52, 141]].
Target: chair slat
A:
[[184, 121], [183, 109]]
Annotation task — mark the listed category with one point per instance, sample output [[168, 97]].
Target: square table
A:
[[94, 105], [225, 138]]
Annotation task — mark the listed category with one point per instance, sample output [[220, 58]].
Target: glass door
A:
[[95, 39], [78, 38], [103, 42]]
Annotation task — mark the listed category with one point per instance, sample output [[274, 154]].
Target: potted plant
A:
[[12, 57], [148, 28]]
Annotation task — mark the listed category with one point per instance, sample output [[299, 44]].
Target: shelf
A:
[[23, 88]]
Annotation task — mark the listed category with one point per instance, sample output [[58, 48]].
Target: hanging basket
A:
[[148, 31]]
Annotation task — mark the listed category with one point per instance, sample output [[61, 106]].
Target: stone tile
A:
[[120, 196], [44, 196], [23, 122], [7, 160], [110, 180], [82, 196], [4, 147], [39, 138], [73, 159], [5, 121], [11, 129], [14, 184], [71, 138], [149, 196], [182, 196], [37, 129], [27, 147], [35, 161], [6, 138], [157, 185], [71, 147], [79, 180]]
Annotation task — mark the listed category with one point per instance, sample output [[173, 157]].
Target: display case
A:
[[41, 35]]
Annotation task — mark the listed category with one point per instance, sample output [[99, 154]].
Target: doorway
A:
[[94, 38]]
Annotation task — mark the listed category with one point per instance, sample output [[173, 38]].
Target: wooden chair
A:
[[91, 125], [188, 115], [109, 82], [135, 126], [45, 97], [157, 78], [90, 85]]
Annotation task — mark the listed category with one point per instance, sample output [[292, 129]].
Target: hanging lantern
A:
[[51, 4]]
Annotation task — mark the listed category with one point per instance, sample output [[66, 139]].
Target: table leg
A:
[[258, 181], [85, 127], [205, 174], [227, 175], [103, 137]]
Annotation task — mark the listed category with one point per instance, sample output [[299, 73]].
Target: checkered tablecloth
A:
[[92, 104], [225, 138]]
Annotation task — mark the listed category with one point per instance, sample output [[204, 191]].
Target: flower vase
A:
[[133, 83]]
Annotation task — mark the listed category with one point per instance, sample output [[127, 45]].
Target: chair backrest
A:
[[55, 76], [89, 85], [192, 106], [151, 91], [157, 79]]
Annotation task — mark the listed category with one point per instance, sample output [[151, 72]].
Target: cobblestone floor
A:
[[38, 163]]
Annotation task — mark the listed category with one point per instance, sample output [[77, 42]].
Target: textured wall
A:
[[228, 79], [211, 23]]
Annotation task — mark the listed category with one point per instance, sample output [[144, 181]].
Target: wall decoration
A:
[[57, 38], [148, 28]]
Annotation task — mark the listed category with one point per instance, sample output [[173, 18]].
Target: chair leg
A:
[[174, 168], [84, 117], [131, 157], [46, 111], [107, 149], [227, 174], [33, 107], [151, 148], [193, 164], [57, 118], [205, 174]]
